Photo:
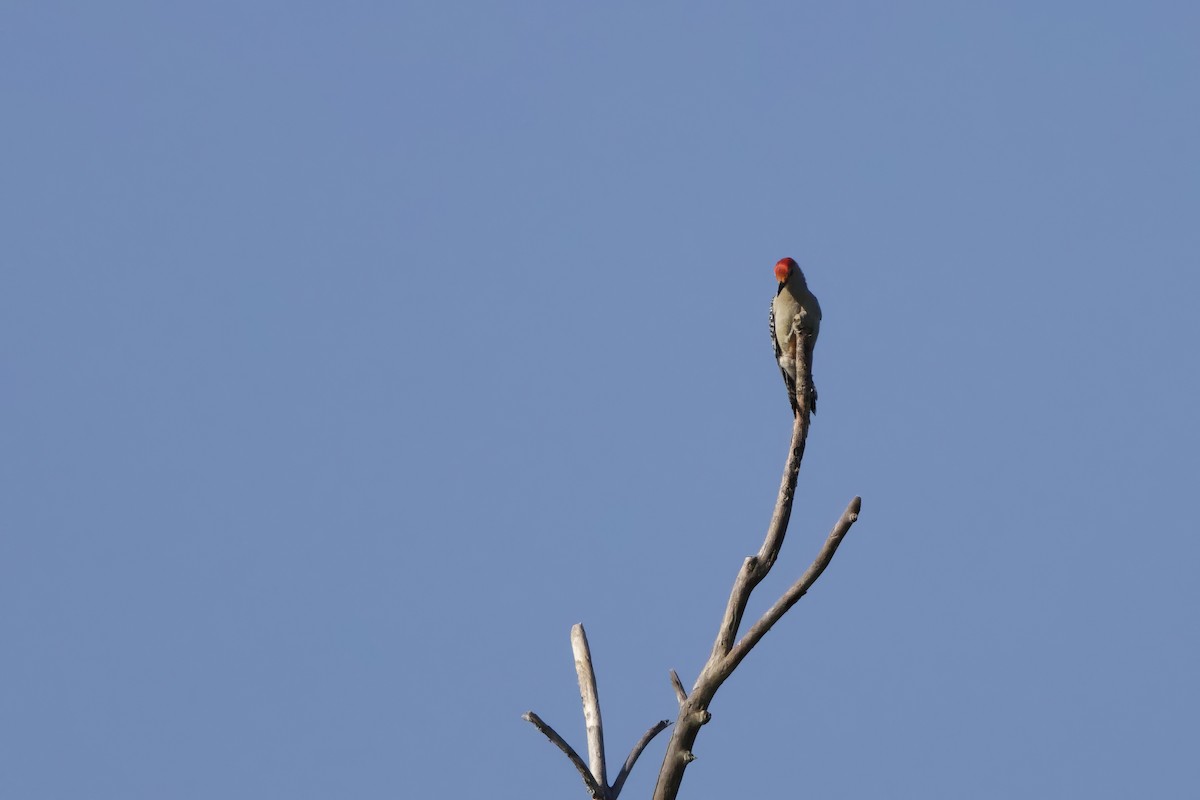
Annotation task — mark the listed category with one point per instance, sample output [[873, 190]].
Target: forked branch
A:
[[727, 650], [594, 775]]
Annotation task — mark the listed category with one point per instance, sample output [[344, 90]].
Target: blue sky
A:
[[352, 353]]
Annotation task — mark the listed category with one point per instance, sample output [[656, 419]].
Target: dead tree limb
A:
[[591, 703], [594, 775], [728, 652], [636, 752], [593, 788]]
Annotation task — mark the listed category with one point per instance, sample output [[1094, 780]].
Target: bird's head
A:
[[783, 269]]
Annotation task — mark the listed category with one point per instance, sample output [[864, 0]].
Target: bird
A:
[[794, 309]]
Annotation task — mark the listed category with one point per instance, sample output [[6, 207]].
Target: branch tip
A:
[[634, 754], [680, 692]]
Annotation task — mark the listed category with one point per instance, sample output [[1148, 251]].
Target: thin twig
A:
[[593, 788], [634, 754], [591, 703], [680, 692]]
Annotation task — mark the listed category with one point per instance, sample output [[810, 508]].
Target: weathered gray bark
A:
[[591, 703], [594, 775], [693, 710], [728, 650]]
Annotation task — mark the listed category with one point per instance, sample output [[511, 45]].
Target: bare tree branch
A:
[[634, 754], [756, 567], [591, 703], [728, 651], [799, 588], [726, 655], [725, 667], [593, 776], [593, 788]]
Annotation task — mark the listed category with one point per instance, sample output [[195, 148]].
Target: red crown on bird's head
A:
[[782, 267]]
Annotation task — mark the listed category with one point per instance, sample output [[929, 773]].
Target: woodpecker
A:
[[794, 309]]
